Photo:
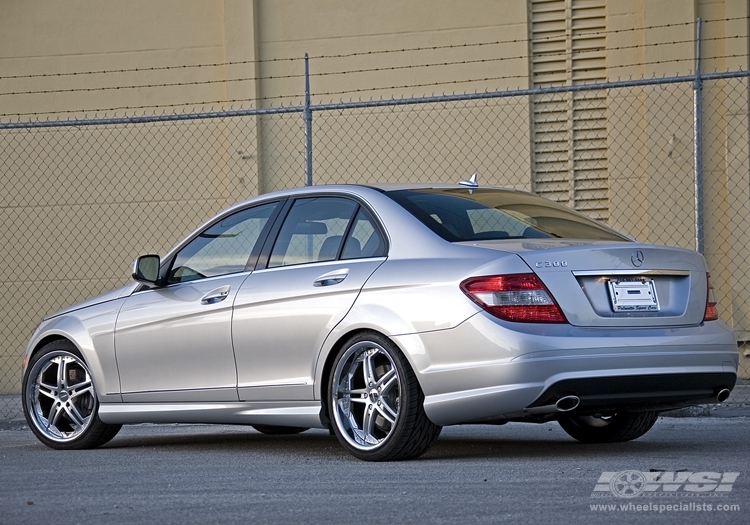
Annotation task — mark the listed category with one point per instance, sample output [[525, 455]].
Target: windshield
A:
[[468, 215]]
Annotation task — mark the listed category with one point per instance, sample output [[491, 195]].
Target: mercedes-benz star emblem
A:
[[637, 258]]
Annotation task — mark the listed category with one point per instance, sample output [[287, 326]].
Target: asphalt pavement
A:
[[685, 470]]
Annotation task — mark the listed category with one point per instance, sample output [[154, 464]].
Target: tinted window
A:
[[470, 215], [313, 231], [364, 239], [223, 248]]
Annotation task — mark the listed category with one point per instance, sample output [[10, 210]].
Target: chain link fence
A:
[[81, 199]]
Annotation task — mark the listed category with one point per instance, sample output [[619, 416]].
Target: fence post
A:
[[307, 116], [698, 140]]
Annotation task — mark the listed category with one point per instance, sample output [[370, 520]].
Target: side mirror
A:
[[146, 269]]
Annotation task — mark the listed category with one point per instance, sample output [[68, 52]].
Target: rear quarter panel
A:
[[411, 296]]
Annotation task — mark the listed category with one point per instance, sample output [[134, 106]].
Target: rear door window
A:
[[364, 239], [313, 231]]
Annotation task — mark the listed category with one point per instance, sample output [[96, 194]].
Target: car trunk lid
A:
[[599, 284]]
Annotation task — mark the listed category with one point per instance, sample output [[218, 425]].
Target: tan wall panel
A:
[[82, 202], [670, 48], [329, 28], [48, 37], [140, 162], [436, 142], [727, 152]]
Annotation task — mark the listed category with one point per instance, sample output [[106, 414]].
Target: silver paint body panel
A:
[[186, 344], [259, 355], [276, 359], [291, 414], [506, 368]]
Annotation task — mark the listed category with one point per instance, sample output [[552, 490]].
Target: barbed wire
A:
[[384, 51], [504, 77], [252, 79], [360, 71], [672, 60], [352, 92]]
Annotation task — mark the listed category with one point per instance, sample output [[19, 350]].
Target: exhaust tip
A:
[[723, 395], [568, 403]]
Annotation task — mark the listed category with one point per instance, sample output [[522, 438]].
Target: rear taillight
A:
[[522, 298], [711, 314]]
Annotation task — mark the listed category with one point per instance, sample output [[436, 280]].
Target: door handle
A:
[[216, 296], [330, 278]]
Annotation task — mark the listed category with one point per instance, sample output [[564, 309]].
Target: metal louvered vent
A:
[[568, 43]]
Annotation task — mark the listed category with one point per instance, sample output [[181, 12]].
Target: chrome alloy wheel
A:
[[366, 395], [60, 396]]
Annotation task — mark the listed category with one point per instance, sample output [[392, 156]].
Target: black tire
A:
[[60, 402], [618, 427], [274, 430], [375, 402]]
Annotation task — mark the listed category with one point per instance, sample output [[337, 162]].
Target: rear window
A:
[[459, 214]]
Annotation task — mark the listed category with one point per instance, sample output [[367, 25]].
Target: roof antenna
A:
[[471, 182]]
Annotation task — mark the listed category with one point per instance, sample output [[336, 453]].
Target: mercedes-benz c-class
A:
[[384, 313]]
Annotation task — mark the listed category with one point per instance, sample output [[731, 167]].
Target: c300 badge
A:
[[552, 264]]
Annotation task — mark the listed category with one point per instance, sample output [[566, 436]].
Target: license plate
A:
[[633, 295]]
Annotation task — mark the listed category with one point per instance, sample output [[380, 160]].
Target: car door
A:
[[174, 343], [326, 249]]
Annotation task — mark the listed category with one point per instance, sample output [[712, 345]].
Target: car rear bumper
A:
[[484, 370], [646, 392]]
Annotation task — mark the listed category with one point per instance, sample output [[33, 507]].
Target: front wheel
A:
[[612, 428], [60, 402], [376, 402]]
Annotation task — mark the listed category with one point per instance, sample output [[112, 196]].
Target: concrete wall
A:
[[79, 204]]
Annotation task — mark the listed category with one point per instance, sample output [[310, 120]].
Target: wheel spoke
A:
[[60, 361], [386, 414], [61, 395], [82, 388], [75, 417], [387, 381], [387, 411], [368, 425], [353, 392], [54, 415], [343, 405], [355, 396], [46, 390], [368, 368], [62, 371], [366, 416]]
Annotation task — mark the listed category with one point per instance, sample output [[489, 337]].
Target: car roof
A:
[[360, 189], [384, 187]]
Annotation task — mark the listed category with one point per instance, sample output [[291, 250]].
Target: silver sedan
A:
[[383, 314]]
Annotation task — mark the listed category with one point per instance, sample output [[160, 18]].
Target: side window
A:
[[223, 248], [313, 231], [364, 239]]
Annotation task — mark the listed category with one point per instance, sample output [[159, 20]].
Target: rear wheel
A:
[[612, 428], [274, 430], [375, 402], [60, 401]]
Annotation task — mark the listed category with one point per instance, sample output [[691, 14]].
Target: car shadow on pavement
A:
[[216, 438], [456, 443], [559, 448]]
